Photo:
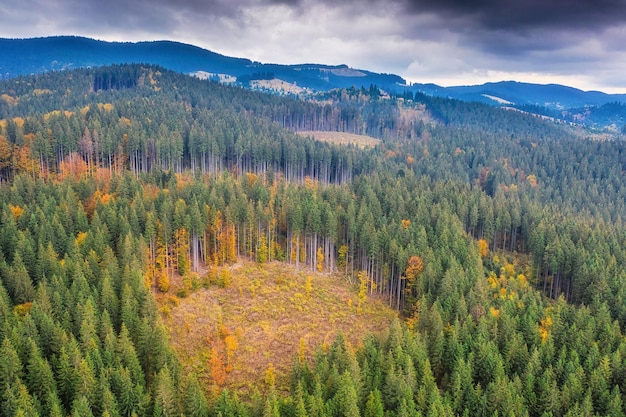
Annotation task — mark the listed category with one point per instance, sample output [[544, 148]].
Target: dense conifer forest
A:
[[496, 235]]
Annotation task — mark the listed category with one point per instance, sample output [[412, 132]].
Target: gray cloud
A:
[[580, 42]]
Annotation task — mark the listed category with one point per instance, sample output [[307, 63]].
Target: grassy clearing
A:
[[267, 309], [342, 138]]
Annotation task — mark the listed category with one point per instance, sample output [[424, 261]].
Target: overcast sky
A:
[[581, 43]]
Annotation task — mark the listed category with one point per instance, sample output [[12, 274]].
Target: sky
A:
[[581, 43]]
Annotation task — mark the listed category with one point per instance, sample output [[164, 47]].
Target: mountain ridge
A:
[[37, 55], [523, 93]]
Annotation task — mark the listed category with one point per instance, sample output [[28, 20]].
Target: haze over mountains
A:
[[37, 55]]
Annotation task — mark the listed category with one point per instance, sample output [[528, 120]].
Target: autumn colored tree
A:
[[483, 248], [320, 259], [6, 151], [262, 249], [217, 368], [364, 282], [181, 248]]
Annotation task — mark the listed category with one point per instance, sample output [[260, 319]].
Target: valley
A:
[[175, 246]]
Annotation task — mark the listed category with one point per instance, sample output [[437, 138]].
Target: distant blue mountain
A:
[[550, 96], [37, 55]]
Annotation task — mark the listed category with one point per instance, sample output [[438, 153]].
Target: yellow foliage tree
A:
[[544, 328], [262, 251], [308, 286], [414, 267], [342, 259], [251, 179], [302, 252], [163, 281], [363, 286], [294, 252], [270, 375], [6, 151], [160, 267], [80, 238], [483, 248], [320, 259], [224, 278], [231, 243], [302, 351], [17, 211]]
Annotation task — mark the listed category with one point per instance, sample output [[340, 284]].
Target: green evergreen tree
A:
[[374, 405], [81, 407], [165, 397], [272, 408], [346, 399], [195, 403]]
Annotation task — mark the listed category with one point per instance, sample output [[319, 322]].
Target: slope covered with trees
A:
[[58, 53], [498, 236]]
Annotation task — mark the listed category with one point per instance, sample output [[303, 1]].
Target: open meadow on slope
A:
[[271, 313], [342, 138]]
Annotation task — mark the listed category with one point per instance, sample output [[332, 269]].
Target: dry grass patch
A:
[[264, 313], [342, 138]]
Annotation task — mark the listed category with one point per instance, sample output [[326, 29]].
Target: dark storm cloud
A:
[[519, 15]]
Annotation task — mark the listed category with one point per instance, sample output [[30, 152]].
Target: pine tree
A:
[[107, 403], [374, 405], [81, 407], [298, 401], [54, 406], [165, 398], [195, 404], [127, 394], [614, 408], [272, 408], [40, 378], [315, 402], [20, 282], [346, 400], [24, 402], [66, 378], [10, 365]]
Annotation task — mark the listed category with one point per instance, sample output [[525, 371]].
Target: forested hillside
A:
[[496, 235], [58, 53]]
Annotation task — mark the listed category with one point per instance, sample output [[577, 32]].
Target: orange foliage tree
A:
[[73, 166], [217, 368]]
